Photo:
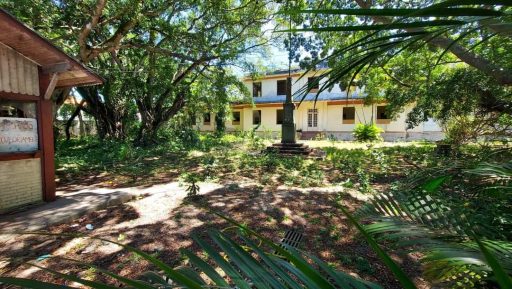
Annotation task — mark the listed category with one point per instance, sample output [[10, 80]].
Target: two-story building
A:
[[334, 114]]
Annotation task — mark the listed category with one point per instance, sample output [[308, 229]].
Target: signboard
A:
[[18, 134]]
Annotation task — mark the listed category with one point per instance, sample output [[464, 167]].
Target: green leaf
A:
[[499, 272], [397, 271], [452, 3], [434, 184], [403, 12], [269, 261], [243, 262], [205, 268], [28, 283], [173, 274], [92, 284], [344, 280], [298, 262], [391, 26], [222, 263]]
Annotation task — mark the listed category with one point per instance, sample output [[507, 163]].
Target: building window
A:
[[349, 115], [236, 118], [256, 89], [207, 118], [382, 115], [281, 87], [312, 117], [256, 117], [279, 116], [18, 127], [313, 83]]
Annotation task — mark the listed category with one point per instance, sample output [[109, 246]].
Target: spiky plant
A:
[[448, 238]]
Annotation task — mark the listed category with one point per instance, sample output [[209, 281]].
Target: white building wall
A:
[[269, 119], [233, 126], [330, 121], [269, 86], [206, 127]]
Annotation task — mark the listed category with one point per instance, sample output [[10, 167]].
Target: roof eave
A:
[[16, 35]]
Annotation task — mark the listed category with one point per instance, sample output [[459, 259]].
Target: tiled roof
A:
[[324, 96]]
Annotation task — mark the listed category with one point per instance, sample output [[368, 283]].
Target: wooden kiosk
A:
[[31, 68]]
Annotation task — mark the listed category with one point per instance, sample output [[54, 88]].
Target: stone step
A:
[[290, 149], [289, 145], [294, 153]]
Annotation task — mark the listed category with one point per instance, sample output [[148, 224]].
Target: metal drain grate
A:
[[291, 238]]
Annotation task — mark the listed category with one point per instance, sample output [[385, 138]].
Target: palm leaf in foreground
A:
[[242, 264], [445, 237]]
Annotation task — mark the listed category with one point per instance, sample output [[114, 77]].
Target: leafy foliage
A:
[[393, 27], [446, 235], [156, 57], [445, 58], [191, 180], [367, 132]]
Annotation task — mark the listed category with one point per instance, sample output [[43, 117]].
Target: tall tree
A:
[[163, 46]]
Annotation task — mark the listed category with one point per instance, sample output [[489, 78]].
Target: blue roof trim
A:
[[324, 96]]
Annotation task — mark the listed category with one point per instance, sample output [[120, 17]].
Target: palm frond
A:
[[404, 12], [501, 171], [243, 264], [388, 39], [416, 222]]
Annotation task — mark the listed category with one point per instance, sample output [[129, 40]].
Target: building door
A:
[[313, 119]]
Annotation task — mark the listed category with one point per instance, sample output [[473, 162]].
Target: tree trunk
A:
[[69, 123], [500, 74], [58, 97], [148, 134], [81, 124], [220, 124], [109, 119], [154, 116]]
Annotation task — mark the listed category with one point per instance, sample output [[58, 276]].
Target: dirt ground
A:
[[162, 224]]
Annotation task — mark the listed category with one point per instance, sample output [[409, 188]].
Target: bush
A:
[[367, 133], [464, 129]]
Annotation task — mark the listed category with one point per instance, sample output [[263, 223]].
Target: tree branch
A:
[[86, 31], [500, 74], [394, 78]]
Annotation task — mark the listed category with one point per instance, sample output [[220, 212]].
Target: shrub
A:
[[367, 133]]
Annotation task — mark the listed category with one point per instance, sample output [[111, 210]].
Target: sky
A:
[[274, 58]]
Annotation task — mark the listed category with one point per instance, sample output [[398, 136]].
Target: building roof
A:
[[323, 96], [33, 46], [284, 72]]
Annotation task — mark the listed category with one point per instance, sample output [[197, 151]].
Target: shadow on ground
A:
[[271, 213]]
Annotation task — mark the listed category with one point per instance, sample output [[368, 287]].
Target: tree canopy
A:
[[450, 58], [152, 54]]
